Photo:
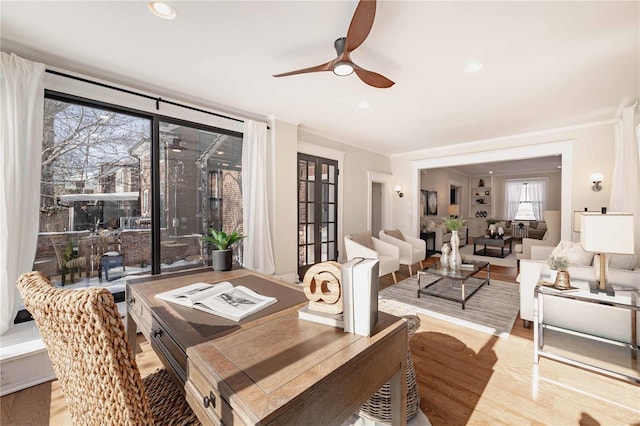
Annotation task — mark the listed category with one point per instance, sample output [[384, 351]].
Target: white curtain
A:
[[625, 196], [22, 94], [512, 189], [538, 195], [258, 248]]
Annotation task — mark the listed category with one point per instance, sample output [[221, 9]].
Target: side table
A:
[[429, 236]]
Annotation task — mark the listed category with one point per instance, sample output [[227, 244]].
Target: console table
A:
[[270, 367], [585, 348]]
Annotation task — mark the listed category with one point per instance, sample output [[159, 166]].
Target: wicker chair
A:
[[91, 356]]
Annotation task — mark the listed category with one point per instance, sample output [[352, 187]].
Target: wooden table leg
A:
[[399, 396]]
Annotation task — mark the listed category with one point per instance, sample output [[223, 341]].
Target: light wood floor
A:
[[465, 377]]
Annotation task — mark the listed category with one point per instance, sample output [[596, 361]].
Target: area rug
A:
[[467, 254], [492, 309]]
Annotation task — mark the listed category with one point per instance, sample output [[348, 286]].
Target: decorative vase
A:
[[562, 280], [455, 260], [222, 260], [444, 256]]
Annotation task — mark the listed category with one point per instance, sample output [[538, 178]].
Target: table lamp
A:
[[605, 234], [453, 210]]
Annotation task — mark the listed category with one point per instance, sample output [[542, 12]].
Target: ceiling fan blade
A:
[[373, 78], [361, 24], [324, 67]]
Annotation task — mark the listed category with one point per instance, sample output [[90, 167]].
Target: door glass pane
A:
[[332, 172], [201, 172], [323, 233], [331, 234], [302, 237], [310, 193], [310, 214], [302, 212], [302, 190], [310, 256], [311, 175], [302, 170], [310, 234], [324, 254], [95, 165], [325, 171], [332, 250], [302, 255], [332, 212], [332, 193]]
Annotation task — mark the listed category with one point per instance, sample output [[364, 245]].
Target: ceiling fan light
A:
[[342, 69]]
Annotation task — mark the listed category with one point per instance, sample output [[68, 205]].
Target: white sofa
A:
[[443, 235], [600, 320]]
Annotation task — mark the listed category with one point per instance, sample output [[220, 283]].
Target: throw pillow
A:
[[431, 226], [444, 228], [533, 224], [574, 252], [542, 225], [364, 239], [622, 261], [395, 233]]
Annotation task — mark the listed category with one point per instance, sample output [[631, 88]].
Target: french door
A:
[[317, 211]]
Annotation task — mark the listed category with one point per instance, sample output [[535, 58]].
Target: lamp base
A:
[[608, 289]]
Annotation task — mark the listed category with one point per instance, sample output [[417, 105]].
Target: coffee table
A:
[[450, 283], [500, 243]]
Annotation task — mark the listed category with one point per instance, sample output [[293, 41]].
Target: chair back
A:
[[89, 351], [552, 220]]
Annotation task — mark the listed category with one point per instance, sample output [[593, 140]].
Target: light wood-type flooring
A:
[[465, 378]]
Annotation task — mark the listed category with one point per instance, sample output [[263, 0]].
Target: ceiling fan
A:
[[342, 65]]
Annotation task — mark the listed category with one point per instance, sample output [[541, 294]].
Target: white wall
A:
[[591, 149]]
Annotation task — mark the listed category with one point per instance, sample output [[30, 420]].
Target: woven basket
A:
[[378, 407]]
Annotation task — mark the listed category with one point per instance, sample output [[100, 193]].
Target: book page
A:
[[235, 303], [190, 294]]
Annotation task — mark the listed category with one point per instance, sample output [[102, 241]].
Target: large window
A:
[[107, 211], [533, 190]]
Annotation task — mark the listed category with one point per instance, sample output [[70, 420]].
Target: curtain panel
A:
[[258, 248], [22, 94], [625, 181]]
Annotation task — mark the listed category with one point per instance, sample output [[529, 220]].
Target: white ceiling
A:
[[547, 64]]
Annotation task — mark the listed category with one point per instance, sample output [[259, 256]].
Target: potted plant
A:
[[222, 255], [558, 274]]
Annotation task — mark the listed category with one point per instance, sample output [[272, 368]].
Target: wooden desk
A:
[[270, 368]]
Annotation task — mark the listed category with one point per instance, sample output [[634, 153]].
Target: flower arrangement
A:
[[558, 263], [453, 223]]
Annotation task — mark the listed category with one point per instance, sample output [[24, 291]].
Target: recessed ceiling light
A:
[[219, 152], [473, 66], [364, 104], [163, 10], [490, 172]]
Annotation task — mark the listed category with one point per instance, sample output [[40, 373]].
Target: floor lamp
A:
[[606, 234]]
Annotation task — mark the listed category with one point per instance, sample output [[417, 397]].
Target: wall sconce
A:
[[398, 190], [596, 178]]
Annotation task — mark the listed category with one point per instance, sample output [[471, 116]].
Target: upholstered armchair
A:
[[412, 250], [366, 246], [550, 238]]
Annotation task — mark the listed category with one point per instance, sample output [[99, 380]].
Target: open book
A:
[[222, 299]]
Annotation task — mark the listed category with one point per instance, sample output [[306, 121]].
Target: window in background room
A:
[[535, 190]]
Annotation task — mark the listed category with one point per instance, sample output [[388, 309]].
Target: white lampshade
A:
[[607, 233]]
